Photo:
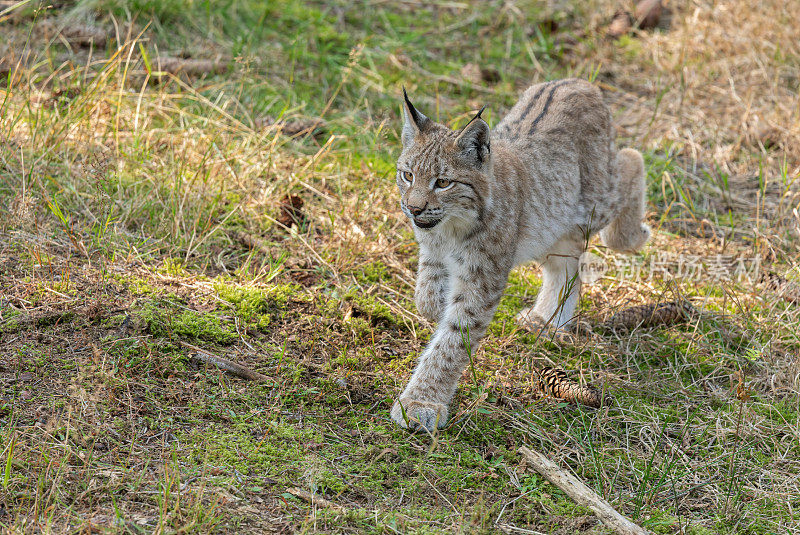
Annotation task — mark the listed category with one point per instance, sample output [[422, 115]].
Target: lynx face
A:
[[422, 199], [443, 175]]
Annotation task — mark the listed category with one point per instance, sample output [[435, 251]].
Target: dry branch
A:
[[228, 365], [191, 67], [78, 34], [85, 34], [583, 495], [315, 500]]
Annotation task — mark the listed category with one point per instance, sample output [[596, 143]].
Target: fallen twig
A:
[[315, 499], [227, 365], [191, 67], [79, 34], [583, 495]]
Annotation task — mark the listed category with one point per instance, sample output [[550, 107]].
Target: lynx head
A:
[[443, 175]]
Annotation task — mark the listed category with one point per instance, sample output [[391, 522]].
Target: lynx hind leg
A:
[[560, 291], [627, 233]]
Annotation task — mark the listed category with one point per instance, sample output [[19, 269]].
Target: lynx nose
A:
[[416, 210]]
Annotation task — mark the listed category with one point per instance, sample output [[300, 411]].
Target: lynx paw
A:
[[534, 323], [531, 321], [419, 414]]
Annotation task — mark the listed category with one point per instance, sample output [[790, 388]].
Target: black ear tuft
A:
[[414, 121], [473, 140], [415, 115]]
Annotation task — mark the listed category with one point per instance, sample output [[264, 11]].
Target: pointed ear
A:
[[473, 140], [413, 121]]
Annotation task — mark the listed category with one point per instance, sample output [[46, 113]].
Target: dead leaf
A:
[[742, 390], [290, 211]]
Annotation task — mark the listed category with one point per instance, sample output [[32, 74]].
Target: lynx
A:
[[483, 201]]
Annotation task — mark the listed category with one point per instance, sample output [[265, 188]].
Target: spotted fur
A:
[[481, 201]]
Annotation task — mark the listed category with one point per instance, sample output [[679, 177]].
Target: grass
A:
[[142, 215]]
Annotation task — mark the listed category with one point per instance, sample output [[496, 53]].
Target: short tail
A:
[[627, 233]]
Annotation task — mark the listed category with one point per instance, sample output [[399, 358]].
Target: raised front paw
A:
[[413, 414]]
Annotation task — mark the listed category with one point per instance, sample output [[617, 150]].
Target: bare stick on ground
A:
[[191, 67], [315, 499], [583, 495], [227, 365]]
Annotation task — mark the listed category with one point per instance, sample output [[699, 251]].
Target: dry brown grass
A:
[[173, 234], [718, 84]]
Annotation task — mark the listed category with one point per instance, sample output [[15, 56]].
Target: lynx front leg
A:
[[472, 301], [561, 286], [432, 285]]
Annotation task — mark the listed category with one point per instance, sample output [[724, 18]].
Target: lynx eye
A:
[[442, 183], [408, 176]]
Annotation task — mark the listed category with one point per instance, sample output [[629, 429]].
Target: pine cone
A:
[[788, 290], [554, 382], [651, 315]]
